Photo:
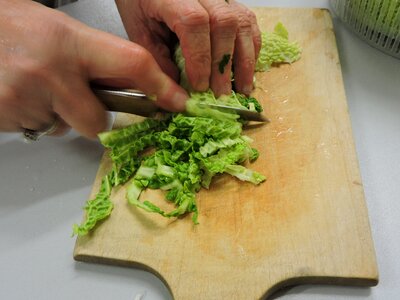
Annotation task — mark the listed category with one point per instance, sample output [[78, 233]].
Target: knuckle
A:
[[245, 18], [193, 17], [224, 18], [252, 16], [56, 26], [200, 58], [138, 59]]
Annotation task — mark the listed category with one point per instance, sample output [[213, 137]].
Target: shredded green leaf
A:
[[249, 102], [189, 149], [96, 209], [276, 48], [224, 61]]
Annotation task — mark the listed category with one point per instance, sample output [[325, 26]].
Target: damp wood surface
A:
[[307, 223]]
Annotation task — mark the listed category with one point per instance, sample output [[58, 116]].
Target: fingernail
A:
[[179, 101]]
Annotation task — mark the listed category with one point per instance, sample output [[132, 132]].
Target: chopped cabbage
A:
[[276, 48], [190, 149]]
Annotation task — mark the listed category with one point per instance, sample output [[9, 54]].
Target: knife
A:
[[136, 102]]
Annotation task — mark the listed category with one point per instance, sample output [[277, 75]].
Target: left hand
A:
[[207, 30]]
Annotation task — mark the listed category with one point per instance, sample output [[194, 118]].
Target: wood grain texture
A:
[[307, 223]]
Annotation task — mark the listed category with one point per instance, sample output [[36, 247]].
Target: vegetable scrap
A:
[[190, 148]]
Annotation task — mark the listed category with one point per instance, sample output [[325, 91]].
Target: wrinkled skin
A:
[[47, 59], [206, 29]]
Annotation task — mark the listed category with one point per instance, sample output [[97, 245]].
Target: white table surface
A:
[[44, 185]]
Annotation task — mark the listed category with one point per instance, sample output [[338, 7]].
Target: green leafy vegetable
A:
[[224, 61], [276, 48], [245, 174], [96, 209], [249, 102], [189, 149], [180, 62]]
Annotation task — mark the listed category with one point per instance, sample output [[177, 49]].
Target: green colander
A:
[[375, 21]]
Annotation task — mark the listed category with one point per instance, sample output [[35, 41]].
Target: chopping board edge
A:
[[362, 282], [89, 258]]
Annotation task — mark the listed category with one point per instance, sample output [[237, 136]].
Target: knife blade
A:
[[136, 102]]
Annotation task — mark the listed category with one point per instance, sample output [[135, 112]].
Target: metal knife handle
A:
[[124, 100]]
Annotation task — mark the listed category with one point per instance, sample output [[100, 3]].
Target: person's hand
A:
[[47, 61], [207, 31]]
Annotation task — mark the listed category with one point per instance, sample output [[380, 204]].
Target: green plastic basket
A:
[[375, 21]]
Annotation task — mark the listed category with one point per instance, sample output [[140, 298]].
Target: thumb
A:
[[110, 58]]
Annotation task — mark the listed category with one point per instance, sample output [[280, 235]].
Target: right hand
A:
[[47, 61]]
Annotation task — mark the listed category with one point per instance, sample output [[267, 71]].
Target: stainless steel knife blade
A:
[[136, 102]]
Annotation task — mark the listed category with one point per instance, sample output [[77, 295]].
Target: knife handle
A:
[[124, 100]]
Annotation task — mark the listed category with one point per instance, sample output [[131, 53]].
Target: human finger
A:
[[223, 26], [153, 36], [22, 109], [162, 55], [245, 54], [189, 20], [128, 63], [60, 127], [13, 119], [256, 34], [80, 109]]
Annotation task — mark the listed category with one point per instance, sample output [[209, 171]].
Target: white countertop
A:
[[44, 185]]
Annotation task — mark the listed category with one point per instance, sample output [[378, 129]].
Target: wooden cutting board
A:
[[307, 223]]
